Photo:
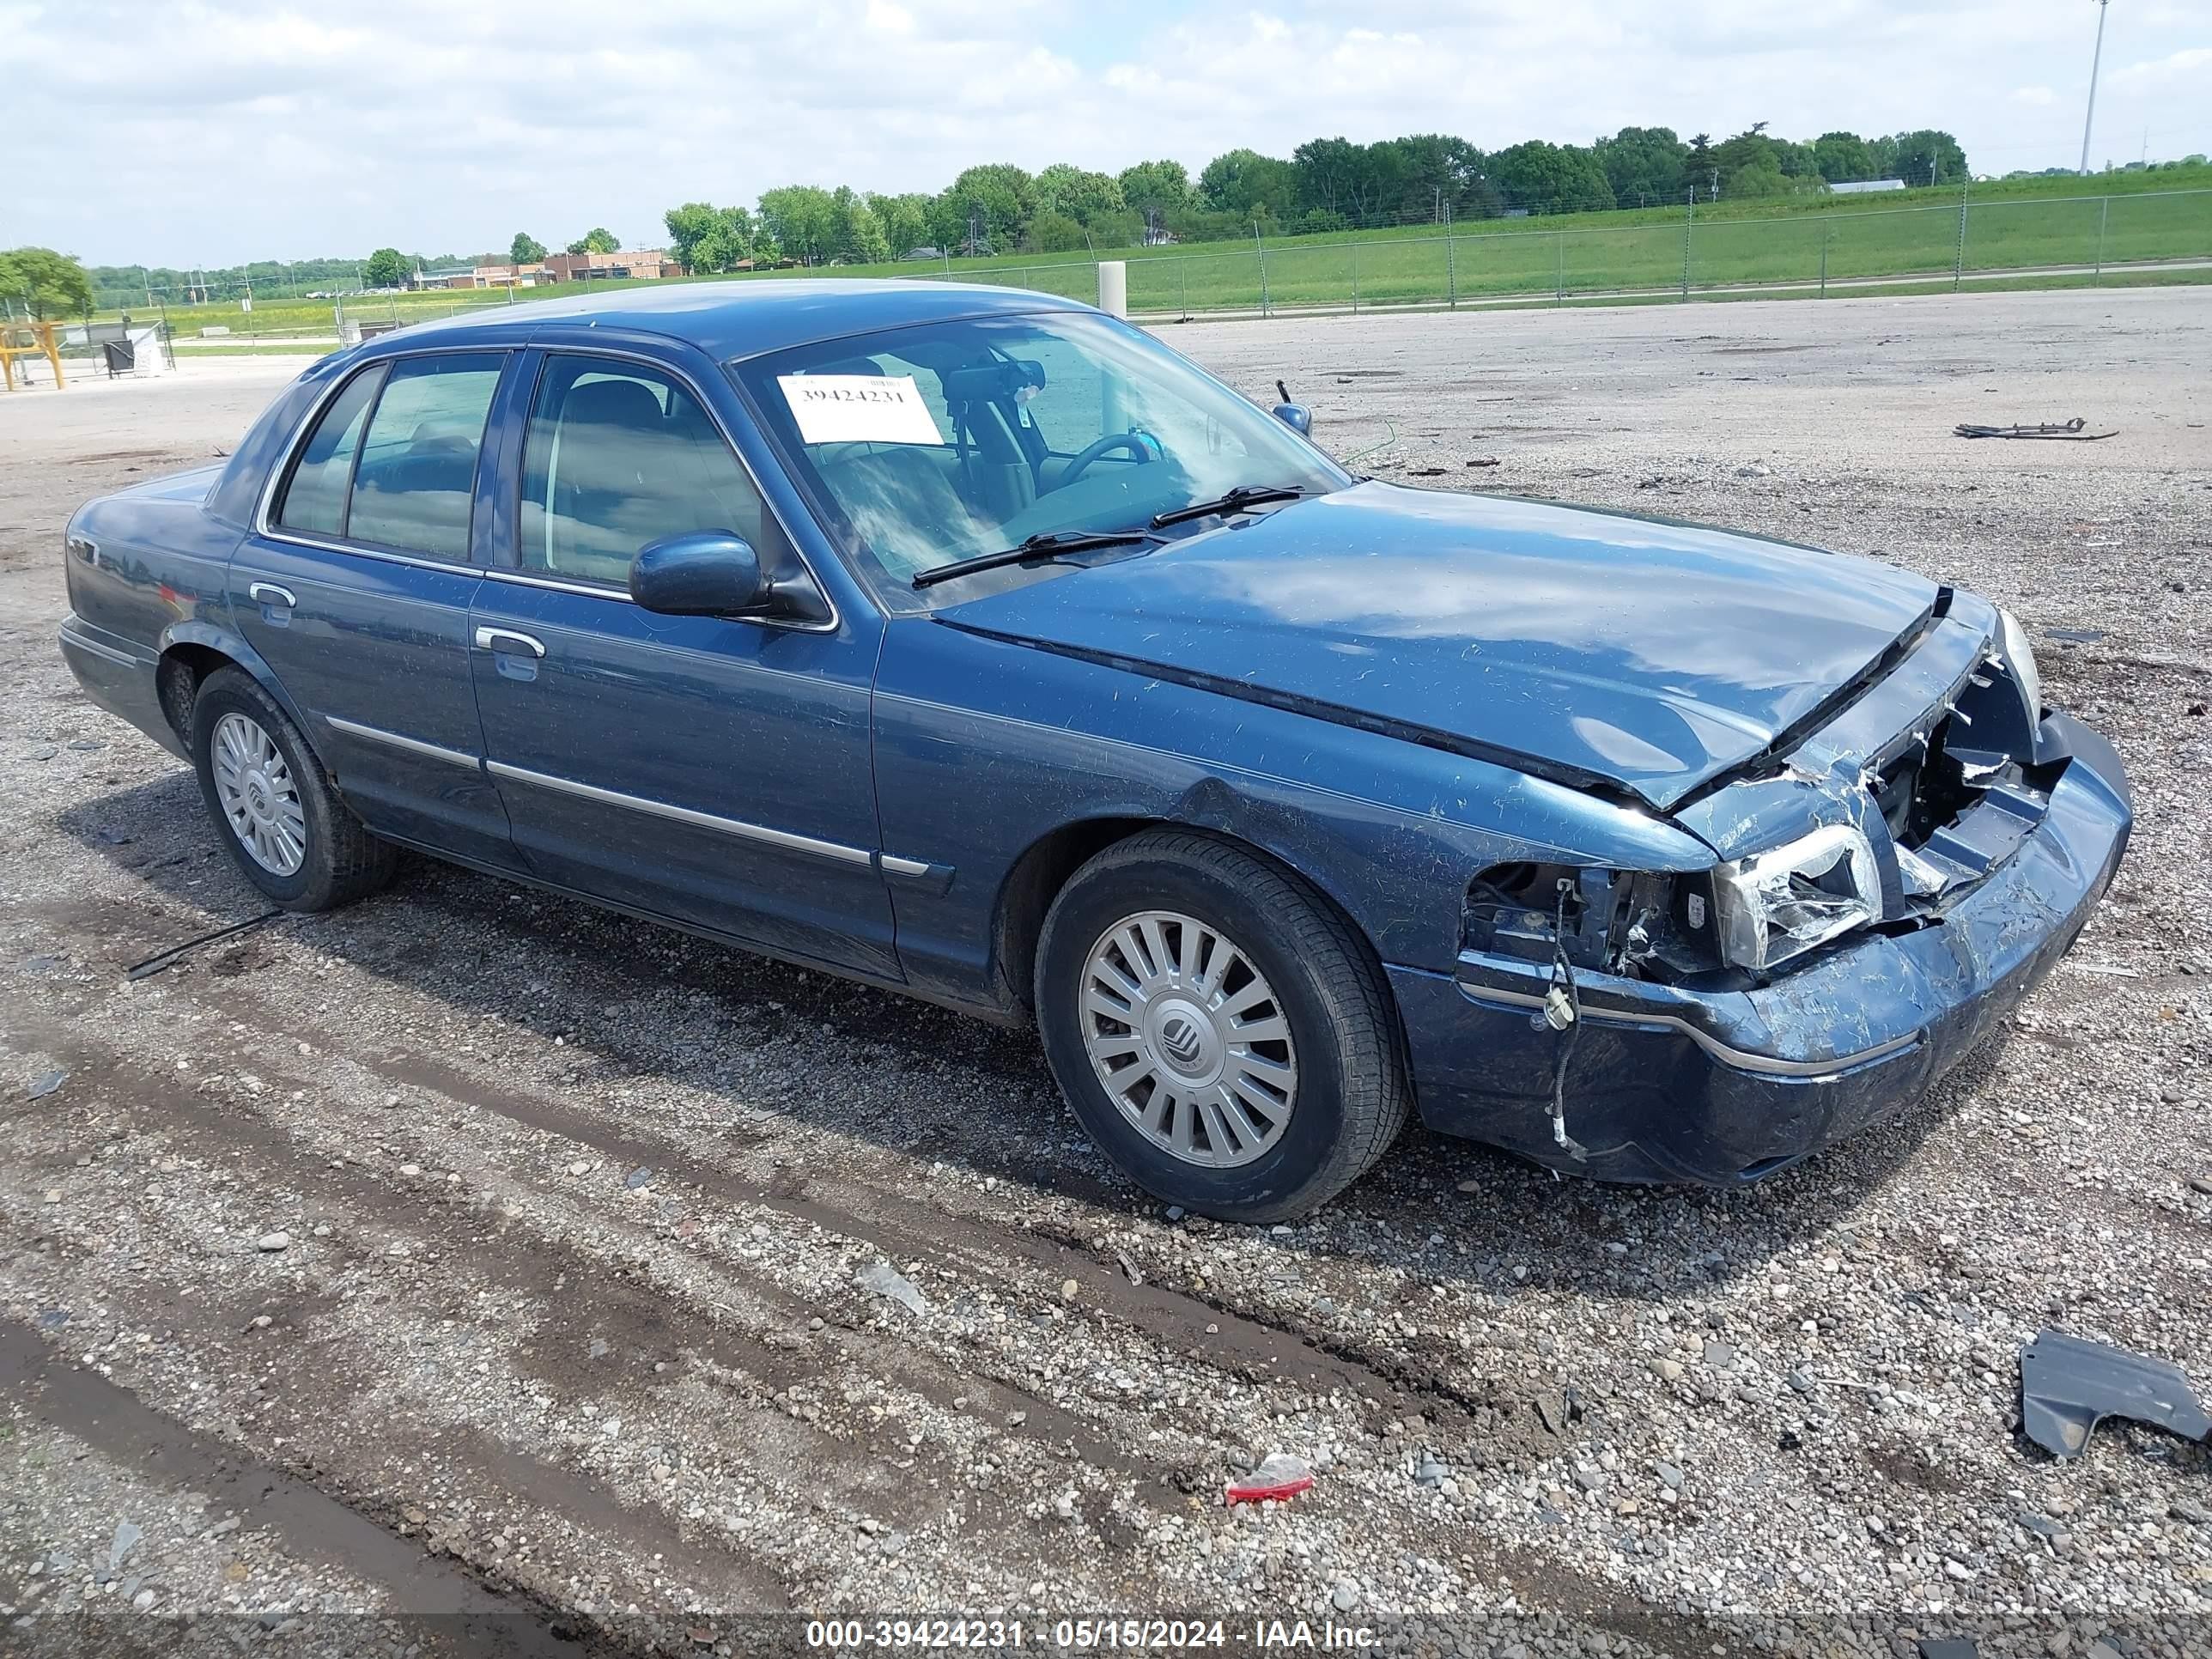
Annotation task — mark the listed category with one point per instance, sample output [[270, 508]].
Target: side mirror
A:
[[708, 572], [1297, 416]]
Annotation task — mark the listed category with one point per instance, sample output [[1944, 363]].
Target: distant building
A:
[[1864, 186], [648, 264], [462, 276], [508, 274]]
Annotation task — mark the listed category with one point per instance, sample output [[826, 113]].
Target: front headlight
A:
[[1778, 904], [2020, 661]]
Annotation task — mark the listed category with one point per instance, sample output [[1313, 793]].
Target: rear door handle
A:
[[276, 602], [507, 639]]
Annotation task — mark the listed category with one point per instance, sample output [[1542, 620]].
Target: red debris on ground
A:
[[1279, 1476]]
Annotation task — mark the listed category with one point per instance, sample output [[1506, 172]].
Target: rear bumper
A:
[[121, 678], [1725, 1088]]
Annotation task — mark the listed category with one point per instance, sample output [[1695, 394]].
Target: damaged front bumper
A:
[[1672, 1084]]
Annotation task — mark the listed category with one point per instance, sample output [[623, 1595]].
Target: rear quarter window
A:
[[314, 498]]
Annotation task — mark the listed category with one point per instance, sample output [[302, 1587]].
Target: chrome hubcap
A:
[[1187, 1036], [259, 800]]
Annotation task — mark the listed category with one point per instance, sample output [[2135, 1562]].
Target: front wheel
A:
[[1224, 1036], [273, 806]]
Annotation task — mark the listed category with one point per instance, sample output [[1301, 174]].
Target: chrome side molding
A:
[[736, 827], [399, 740]]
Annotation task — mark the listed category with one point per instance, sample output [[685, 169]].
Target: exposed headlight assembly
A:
[[1780, 904], [2020, 662]]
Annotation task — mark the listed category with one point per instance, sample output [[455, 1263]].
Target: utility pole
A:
[[2095, 60]]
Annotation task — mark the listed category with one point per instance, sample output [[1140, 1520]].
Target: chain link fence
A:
[[2086, 236], [1689, 251]]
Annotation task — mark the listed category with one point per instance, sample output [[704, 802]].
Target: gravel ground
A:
[[493, 1259]]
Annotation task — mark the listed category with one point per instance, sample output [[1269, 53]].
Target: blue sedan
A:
[[973, 644]]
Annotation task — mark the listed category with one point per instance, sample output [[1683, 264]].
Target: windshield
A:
[[950, 440]]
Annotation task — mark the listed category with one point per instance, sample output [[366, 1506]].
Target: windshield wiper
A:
[[1236, 501], [1046, 545]]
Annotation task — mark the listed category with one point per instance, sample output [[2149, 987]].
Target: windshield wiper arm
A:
[[1047, 545], [1236, 501]]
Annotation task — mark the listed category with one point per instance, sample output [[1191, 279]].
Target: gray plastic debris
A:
[[46, 1084], [1947, 1647], [2068, 1386], [881, 1279], [127, 1535]]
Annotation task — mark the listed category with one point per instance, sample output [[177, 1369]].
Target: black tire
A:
[[1352, 1095], [341, 861]]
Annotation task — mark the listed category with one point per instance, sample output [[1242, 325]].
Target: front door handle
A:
[[507, 639]]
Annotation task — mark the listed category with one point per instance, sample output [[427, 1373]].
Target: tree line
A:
[[1325, 183]]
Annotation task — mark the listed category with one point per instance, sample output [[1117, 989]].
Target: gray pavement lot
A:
[[1545, 1412]]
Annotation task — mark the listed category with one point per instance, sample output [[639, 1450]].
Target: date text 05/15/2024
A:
[[1126, 1635]]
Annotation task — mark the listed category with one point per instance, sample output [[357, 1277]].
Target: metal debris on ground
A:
[[2049, 429], [1280, 1476], [2069, 1385], [176, 953]]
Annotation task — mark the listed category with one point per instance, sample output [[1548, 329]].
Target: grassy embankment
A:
[[2017, 225]]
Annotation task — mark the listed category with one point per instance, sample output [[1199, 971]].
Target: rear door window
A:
[[414, 480], [314, 500]]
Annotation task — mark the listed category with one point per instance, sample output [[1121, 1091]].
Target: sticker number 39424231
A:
[[885, 409]]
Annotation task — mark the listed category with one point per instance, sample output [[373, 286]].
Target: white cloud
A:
[[179, 130], [2194, 63]]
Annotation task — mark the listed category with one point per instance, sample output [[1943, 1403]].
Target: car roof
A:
[[744, 318]]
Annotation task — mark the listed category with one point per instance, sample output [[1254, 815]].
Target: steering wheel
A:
[[1106, 446]]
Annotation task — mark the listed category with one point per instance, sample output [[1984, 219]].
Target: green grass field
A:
[[2017, 225]]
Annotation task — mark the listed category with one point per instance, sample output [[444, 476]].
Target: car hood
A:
[[1602, 647]]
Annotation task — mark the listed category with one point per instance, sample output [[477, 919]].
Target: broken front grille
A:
[[1960, 789]]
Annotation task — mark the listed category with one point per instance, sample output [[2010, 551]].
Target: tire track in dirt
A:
[[920, 1238], [456, 1606], [1257, 1350], [647, 1319], [1211, 1332], [213, 1327]]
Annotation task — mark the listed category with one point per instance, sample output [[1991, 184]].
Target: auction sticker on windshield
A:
[[843, 409]]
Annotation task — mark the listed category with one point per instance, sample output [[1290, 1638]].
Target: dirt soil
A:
[[475, 1269]]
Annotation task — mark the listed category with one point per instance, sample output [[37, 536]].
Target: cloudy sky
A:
[[176, 132]]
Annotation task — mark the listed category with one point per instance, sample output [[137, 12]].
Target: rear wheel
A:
[[1224, 1036], [273, 806]]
